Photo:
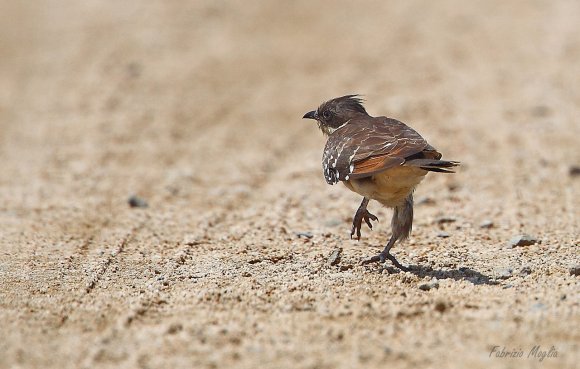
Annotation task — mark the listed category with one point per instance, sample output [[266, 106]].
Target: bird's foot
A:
[[382, 257], [361, 214]]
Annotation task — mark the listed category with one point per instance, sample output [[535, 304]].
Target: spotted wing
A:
[[368, 146]]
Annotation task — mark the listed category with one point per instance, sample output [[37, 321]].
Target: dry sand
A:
[[196, 107]]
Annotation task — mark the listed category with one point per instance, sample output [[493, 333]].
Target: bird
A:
[[379, 158]]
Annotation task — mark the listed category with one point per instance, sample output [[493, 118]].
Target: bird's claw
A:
[[361, 214], [382, 257]]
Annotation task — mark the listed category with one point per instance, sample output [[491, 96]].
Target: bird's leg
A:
[[362, 214], [402, 223]]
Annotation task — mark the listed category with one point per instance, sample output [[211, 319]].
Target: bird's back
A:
[[366, 146]]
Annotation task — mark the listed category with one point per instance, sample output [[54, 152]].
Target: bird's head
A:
[[337, 112]]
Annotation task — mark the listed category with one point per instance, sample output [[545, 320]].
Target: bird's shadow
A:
[[459, 274]]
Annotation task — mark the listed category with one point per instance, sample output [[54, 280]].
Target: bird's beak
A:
[[310, 115]]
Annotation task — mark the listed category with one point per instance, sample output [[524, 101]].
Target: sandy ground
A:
[[196, 107]]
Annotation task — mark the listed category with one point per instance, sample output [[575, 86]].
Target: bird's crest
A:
[[353, 103]]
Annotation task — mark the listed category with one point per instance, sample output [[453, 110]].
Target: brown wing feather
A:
[[385, 146], [374, 165], [367, 146]]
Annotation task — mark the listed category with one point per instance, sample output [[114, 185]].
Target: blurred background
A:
[[196, 107], [120, 97]]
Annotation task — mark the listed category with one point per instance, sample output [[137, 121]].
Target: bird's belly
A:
[[390, 187]]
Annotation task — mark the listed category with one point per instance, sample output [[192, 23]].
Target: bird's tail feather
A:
[[432, 165]]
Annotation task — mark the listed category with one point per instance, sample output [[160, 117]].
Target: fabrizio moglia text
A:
[[535, 352]]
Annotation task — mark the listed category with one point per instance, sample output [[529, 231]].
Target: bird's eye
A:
[[326, 114]]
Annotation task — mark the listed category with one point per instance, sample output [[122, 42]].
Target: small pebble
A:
[[334, 257], [525, 271], [574, 171], [445, 219], [452, 187], [344, 268], [429, 285], [486, 224], [443, 234], [538, 306], [504, 273], [575, 270], [440, 306], [425, 201], [523, 240], [137, 202], [174, 328], [304, 235]]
